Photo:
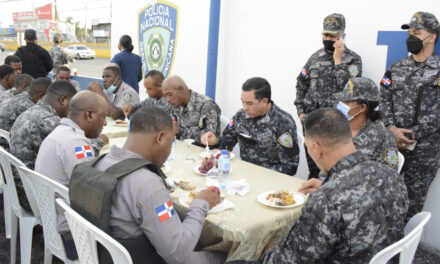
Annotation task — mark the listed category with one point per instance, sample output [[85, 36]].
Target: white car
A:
[[80, 52], [2, 47]]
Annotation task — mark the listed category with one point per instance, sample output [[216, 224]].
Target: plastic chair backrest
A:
[[300, 139], [5, 134], [223, 123], [7, 160], [401, 161], [45, 190], [406, 246], [86, 235]]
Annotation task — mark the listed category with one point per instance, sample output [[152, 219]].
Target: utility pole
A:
[[85, 25]]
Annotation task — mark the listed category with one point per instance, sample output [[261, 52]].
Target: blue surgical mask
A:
[[343, 108], [112, 87]]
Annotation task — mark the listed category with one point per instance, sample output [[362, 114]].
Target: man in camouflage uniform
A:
[[56, 53], [359, 103], [411, 107], [33, 126], [195, 114], [22, 82], [15, 63], [355, 213], [13, 107], [326, 73], [266, 134], [7, 78], [153, 85]]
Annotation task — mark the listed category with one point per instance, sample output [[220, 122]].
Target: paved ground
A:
[[85, 67], [422, 256]]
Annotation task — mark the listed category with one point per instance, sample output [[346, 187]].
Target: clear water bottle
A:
[[172, 156], [224, 168]]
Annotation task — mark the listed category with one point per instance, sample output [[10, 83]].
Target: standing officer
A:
[[266, 134], [411, 107], [326, 73], [57, 54]]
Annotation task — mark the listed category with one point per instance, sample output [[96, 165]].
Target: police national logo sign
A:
[[158, 24]]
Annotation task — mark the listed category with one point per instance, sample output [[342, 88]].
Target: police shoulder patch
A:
[[127, 97], [392, 157], [354, 70], [286, 140]]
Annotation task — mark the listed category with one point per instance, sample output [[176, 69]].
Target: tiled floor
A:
[[422, 256]]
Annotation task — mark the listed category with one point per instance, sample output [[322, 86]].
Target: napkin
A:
[[240, 187], [225, 205]]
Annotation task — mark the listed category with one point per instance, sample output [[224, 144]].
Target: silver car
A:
[[79, 52]]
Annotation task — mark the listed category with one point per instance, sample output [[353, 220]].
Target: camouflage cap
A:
[[333, 24], [57, 38], [423, 20], [359, 88]]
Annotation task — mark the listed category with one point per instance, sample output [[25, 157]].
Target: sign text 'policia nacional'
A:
[[158, 25]]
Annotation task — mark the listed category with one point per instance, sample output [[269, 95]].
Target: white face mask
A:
[[344, 108]]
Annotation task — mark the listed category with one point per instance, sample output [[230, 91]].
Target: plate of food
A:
[[205, 166], [120, 123], [224, 204], [281, 199], [216, 154]]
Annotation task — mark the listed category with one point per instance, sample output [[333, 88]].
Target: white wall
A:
[[273, 39]]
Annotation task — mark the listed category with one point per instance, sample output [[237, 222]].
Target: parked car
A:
[[2, 47], [80, 52]]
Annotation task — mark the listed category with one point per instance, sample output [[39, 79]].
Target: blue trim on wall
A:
[[211, 65]]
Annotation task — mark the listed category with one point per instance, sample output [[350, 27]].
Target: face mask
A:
[[414, 44], [328, 45], [343, 108], [112, 87]]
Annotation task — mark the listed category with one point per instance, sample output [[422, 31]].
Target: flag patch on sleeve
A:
[[83, 152], [304, 72], [231, 122], [386, 81], [165, 211]]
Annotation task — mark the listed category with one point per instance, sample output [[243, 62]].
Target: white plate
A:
[[120, 125], [196, 170], [206, 154], [224, 205], [299, 199]]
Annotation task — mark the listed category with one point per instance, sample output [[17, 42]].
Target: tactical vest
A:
[[90, 194]]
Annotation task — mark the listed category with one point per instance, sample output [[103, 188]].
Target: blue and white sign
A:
[[158, 25]]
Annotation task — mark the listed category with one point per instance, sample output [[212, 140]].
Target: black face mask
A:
[[328, 45], [414, 44]]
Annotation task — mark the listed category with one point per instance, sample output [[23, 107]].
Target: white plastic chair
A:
[[400, 162], [406, 246], [45, 190], [300, 139], [26, 219], [6, 204], [86, 236]]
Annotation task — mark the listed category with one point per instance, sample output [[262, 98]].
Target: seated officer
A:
[[138, 197], [359, 103], [63, 73], [266, 133], [116, 92], [22, 83], [357, 211], [195, 113], [69, 144], [153, 86]]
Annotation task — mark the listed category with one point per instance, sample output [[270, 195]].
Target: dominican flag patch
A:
[[165, 211], [231, 122], [386, 81], [304, 72], [84, 151]]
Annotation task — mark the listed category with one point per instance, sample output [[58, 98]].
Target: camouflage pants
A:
[[420, 168]]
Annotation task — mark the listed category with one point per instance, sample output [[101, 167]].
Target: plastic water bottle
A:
[[172, 156], [224, 167]]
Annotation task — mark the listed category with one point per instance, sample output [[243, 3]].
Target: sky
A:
[[80, 10]]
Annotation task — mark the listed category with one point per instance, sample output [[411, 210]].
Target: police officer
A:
[[411, 107], [153, 85], [266, 134], [70, 144], [58, 56], [7, 78], [196, 114], [326, 72], [22, 82], [63, 73], [13, 107], [359, 103], [117, 92], [356, 212], [15, 63], [141, 202]]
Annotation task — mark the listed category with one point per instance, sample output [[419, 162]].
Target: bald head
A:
[[88, 110], [176, 91]]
